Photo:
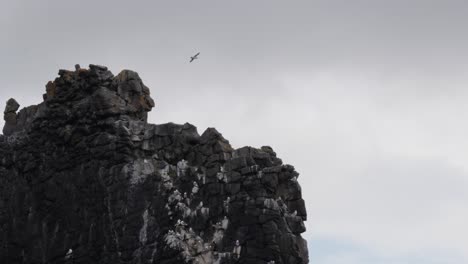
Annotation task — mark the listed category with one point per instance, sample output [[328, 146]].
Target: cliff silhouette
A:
[[84, 178]]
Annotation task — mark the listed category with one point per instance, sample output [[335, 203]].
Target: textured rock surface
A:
[[85, 179]]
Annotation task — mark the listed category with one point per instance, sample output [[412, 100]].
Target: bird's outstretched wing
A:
[[194, 57]]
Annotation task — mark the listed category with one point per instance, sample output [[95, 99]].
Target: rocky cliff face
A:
[[85, 179]]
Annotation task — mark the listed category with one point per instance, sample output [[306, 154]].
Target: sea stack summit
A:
[[84, 178]]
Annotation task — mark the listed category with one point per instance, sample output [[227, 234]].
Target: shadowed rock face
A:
[[85, 179]]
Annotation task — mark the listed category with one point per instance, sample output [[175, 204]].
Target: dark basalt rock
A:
[[85, 179]]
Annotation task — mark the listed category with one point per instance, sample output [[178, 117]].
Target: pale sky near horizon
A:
[[366, 98]]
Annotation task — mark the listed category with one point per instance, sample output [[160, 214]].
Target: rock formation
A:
[[85, 179]]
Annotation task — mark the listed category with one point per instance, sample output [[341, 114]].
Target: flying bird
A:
[[194, 57]]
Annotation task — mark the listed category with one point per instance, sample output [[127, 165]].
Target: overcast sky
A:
[[366, 98]]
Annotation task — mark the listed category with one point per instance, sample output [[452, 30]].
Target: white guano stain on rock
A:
[[143, 230], [139, 170]]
